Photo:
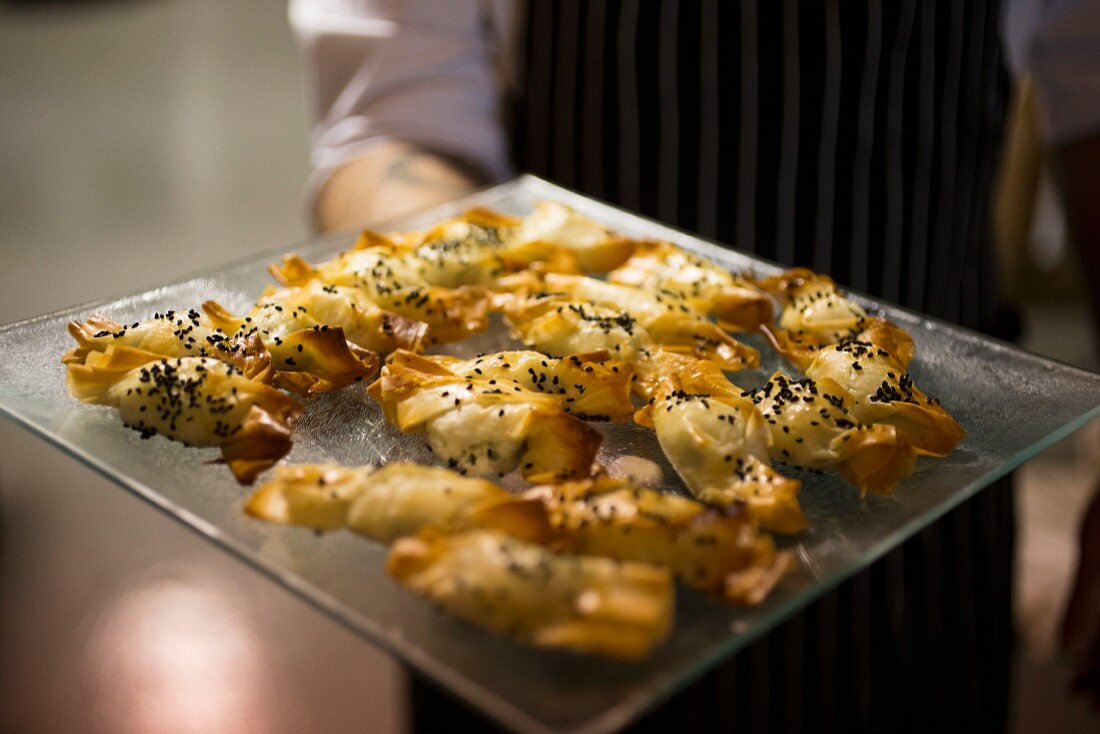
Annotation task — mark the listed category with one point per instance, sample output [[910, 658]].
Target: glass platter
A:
[[1011, 403]]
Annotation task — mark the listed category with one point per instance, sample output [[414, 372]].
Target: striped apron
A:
[[858, 139]]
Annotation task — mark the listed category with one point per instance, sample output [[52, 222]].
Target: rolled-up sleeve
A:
[[424, 72], [1058, 43]]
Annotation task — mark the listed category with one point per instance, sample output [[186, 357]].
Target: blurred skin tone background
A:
[[141, 141]]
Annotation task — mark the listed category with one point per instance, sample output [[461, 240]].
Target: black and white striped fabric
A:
[[857, 138]]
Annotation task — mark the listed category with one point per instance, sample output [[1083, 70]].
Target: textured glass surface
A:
[[1012, 405]]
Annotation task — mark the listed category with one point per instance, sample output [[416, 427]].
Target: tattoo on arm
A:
[[407, 168]]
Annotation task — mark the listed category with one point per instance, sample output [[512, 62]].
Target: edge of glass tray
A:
[[483, 698]]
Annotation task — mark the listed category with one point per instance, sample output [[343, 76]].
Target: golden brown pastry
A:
[[597, 248], [171, 334], [592, 605], [479, 248], [589, 386], [199, 401], [882, 392], [695, 441], [463, 250], [393, 501], [469, 249], [316, 304], [320, 337], [719, 447], [555, 324], [715, 438], [717, 550], [816, 313], [812, 426], [482, 427], [395, 282], [669, 319], [705, 287], [559, 325]]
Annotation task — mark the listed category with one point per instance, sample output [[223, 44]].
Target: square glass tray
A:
[[1012, 405]]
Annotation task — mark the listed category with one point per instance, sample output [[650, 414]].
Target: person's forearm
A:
[[391, 180]]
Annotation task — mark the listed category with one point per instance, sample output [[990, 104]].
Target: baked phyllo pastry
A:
[[816, 313], [719, 447], [715, 549], [580, 603], [392, 501], [477, 247], [171, 334], [666, 316], [882, 392], [395, 281], [465, 250], [812, 426], [199, 401], [470, 249], [558, 325], [716, 439], [485, 427], [704, 286], [320, 337], [589, 386], [597, 248], [481, 247]]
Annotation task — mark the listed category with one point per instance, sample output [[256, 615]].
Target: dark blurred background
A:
[[140, 141]]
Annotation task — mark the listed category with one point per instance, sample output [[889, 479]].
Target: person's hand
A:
[[393, 179], [1081, 623]]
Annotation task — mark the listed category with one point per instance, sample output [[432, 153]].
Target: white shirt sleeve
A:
[[426, 72], [1058, 42]]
